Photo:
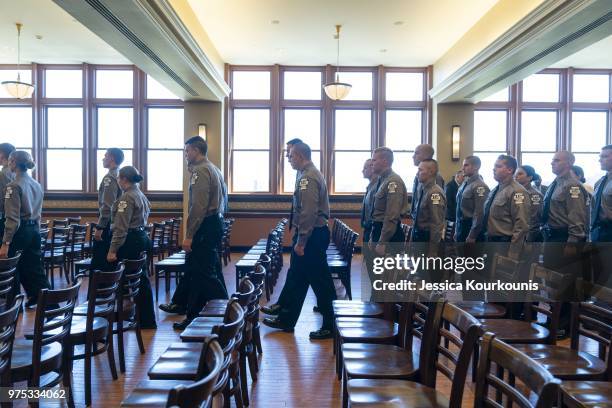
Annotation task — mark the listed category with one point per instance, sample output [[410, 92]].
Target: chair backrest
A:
[[8, 324], [44, 224], [157, 234], [130, 283], [8, 267], [546, 301], [229, 338], [59, 239], [78, 237], [193, 395], [60, 223], [531, 374], [102, 294], [246, 292], [74, 220], [594, 322]]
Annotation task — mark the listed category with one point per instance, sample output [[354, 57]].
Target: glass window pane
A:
[[251, 129], [115, 127], [590, 164], [251, 85], [166, 177], [499, 96], [591, 88], [114, 84], [541, 163], [64, 127], [251, 172], [59, 175], [155, 90], [302, 85], [588, 131], [289, 173], [101, 171], [361, 85], [403, 129], [538, 131], [304, 124], [404, 86], [11, 75], [16, 125], [353, 129], [166, 126], [487, 161], [490, 129], [63, 83], [404, 166], [541, 88], [347, 172]]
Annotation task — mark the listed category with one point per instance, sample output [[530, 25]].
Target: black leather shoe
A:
[[321, 334], [181, 325], [31, 302], [172, 308], [274, 323], [272, 310]]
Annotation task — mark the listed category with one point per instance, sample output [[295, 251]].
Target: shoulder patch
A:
[[9, 192], [106, 182], [574, 192], [435, 198], [480, 191], [122, 206], [519, 198], [392, 187], [303, 183], [536, 199], [194, 177]]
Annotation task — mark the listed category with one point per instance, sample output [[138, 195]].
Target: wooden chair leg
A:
[[244, 390], [253, 366], [110, 351], [121, 345], [138, 332], [88, 347]]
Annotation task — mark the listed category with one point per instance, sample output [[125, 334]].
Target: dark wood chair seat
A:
[[565, 363], [343, 308], [369, 360], [21, 362], [78, 330], [516, 331], [367, 330], [483, 310], [200, 328], [578, 394], [178, 362], [152, 393], [254, 255], [337, 263], [394, 393]]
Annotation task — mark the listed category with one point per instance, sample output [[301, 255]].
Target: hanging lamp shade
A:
[[337, 90], [18, 89]]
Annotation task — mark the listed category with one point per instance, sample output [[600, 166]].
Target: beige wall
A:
[[445, 116]]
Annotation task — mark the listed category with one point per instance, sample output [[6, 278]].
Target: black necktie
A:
[[597, 206], [415, 189], [547, 198], [293, 200], [459, 213], [487, 209]]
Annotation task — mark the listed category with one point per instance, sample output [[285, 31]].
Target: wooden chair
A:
[[54, 255], [61, 223], [47, 356], [585, 394], [341, 268], [8, 324], [383, 391], [532, 375], [157, 239], [76, 248], [183, 394], [8, 267], [74, 220]]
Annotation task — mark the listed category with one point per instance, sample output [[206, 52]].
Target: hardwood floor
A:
[[294, 371]]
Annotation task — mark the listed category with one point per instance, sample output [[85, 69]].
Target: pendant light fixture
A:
[[337, 90], [18, 89]]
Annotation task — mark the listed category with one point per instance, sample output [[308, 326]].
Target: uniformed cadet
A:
[[601, 220], [23, 198], [390, 202], [129, 215], [471, 197], [429, 221], [368, 200], [204, 232], [525, 176], [108, 193], [6, 176], [308, 259], [506, 212], [422, 152]]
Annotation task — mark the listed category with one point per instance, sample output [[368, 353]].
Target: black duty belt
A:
[[28, 222], [499, 238], [138, 229]]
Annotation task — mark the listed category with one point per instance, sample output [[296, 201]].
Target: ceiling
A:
[[63, 39], [598, 55], [392, 32]]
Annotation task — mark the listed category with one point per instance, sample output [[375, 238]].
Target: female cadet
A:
[[23, 199], [129, 239], [524, 176]]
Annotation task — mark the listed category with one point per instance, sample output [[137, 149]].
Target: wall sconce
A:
[[456, 142], [202, 130]]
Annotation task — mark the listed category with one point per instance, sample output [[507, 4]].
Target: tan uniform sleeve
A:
[[309, 191], [396, 192], [577, 215], [109, 195], [480, 196], [121, 222], [12, 211], [200, 198], [438, 218], [519, 211]]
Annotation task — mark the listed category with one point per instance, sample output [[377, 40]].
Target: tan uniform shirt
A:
[[130, 211], [206, 194], [472, 203], [108, 193], [431, 211], [536, 201], [6, 176], [23, 198], [509, 212], [569, 206], [310, 203], [390, 202], [605, 212]]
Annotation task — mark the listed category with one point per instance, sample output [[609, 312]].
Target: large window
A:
[[272, 105], [490, 139], [67, 125]]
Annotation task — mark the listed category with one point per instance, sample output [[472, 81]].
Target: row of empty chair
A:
[[340, 253]]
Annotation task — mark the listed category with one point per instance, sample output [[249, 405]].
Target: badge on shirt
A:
[[519, 198], [574, 192], [392, 187], [9, 192], [194, 178], [435, 198], [121, 206], [536, 199], [106, 182], [480, 191], [303, 183]]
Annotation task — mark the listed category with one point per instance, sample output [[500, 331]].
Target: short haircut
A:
[[509, 161], [474, 161], [302, 149], [6, 149], [117, 154], [569, 155], [607, 147], [427, 149], [199, 143], [435, 163], [386, 153], [294, 141]]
